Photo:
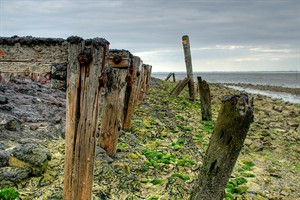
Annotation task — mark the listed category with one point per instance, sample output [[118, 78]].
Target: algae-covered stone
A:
[[4, 157], [10, 176], [133, 156], [31, 155]]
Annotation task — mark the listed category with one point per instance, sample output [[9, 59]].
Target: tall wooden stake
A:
[[225, 144], [87, 61], [188, 64], [205, 99]]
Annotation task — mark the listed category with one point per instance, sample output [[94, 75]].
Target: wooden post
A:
[[144, 82], [179, 87], [174, 79], [132, 81], [113, 107], [225, 144], [86, 62], [205, 99], [140, 76], [148, 78], [188, 63]]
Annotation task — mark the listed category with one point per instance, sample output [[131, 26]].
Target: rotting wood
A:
[[143, 82], [131, 91], [188, 64], [86, 62], [148, 78], [140, 73], [225, 144], [205, 99], [179, 87], [113, 110]]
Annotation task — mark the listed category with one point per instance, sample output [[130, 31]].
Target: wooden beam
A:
[[87, 61], [179, 87]]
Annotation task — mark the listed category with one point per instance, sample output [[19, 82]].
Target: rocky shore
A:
[[159, 158]]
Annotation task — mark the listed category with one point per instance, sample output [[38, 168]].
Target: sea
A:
[[283, 79]]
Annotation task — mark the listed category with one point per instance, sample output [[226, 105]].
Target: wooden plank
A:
[[86, 63], [188, 64], [119, 58], [226, 142]]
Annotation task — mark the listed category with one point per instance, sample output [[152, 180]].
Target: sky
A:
[[225, 35]]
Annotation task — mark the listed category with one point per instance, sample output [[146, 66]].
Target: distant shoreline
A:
[[293, 91]]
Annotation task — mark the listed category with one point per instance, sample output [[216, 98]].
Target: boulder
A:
[[10, 176], [30, 155], [4, 157], [13, 125]]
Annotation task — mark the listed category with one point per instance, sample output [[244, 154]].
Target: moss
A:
[[122, 145], [180, 117], [155, 157], [208, 126], [240, 189], [184, 128], [153, 198], [248, 175], [156, 181], [229, 196], [9, 194], [185, 162], [182, 177], [198, 138]]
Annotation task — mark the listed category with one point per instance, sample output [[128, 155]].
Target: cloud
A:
[[220, 30]]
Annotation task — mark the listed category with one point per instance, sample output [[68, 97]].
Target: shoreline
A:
[[279, 89]]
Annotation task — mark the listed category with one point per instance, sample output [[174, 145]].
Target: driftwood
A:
[[205, 99], [86, 62], [179, 87], [231, 128], [188, 64]]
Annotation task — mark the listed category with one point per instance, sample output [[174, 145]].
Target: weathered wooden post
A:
[[188, 64], [131, 90], [205, 99], [113, 107], [144, 82], [140, 83], [174, 79], [225, 144], [148, 78], [87, 61]]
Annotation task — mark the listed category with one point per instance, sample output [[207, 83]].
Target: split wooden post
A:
[[140, 73], [87, 61], [188, 63], [132, 82], [205, 99], [174, 79], [113, 106], [226, 142]]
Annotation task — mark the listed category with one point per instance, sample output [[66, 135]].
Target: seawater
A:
[[283, 79]]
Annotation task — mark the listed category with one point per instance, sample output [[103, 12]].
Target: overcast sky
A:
[[225, 35]]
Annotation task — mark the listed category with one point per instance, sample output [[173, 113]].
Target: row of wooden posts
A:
[[92, 69]]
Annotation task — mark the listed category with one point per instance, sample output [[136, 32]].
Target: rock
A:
[[13, 125], [6, 107], [4, 157], [30, 155], [3, 100], [10, 176]]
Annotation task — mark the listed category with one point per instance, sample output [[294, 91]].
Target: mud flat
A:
[[159, 158]]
